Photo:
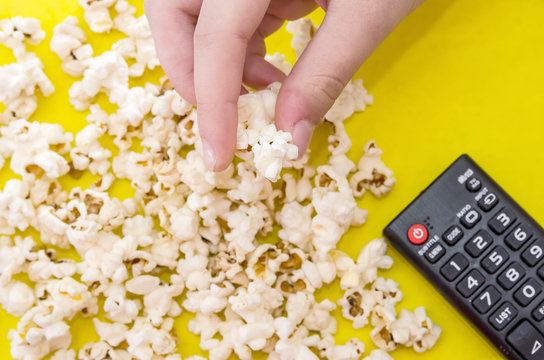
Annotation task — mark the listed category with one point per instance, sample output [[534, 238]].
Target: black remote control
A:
[[484, 254]]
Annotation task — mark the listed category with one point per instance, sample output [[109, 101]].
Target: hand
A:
[[209, 47]]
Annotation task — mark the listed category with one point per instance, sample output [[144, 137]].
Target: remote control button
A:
[[502, 221], [518, 237], [473, 184], [454, 267], [540, 272], [494, 260], [511, 276], [486, 299], [435, 253], [527, 292], [538, 312], [453, 235], [527, 340], [478, 243], [488, 202], [534, 253], [417, 234], [470, 219], [503, 316], [470, 283]]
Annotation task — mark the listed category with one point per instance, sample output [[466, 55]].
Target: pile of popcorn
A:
[[190, 239]]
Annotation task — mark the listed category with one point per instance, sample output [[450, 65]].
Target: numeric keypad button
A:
[[478, 243], [527, 292], [470, 283], [511, 276], [503, 316], [470, 219], [486, 299], [534, 253], [502, 221], [488, 202], [495, 259], [452, 235], [517, 237], [454, 267]]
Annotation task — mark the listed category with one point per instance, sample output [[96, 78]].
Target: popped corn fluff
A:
[[190, 239], [21, 79]]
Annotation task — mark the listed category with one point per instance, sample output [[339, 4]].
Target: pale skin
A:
[[209, 48]]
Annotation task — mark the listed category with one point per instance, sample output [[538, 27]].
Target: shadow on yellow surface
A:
[[456, 76]]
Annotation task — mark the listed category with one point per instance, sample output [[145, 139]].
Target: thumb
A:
[[351, 30]]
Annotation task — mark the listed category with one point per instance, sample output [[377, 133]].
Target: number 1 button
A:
[[454, 267]]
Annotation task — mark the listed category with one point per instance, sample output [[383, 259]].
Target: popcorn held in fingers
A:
[[246, 249]]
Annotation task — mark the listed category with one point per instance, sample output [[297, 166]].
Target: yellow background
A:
[[456, 76]]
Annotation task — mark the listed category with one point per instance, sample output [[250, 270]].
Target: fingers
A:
[[259, 73], [351, 30], [220, 43], [291, 9], [172, 24]]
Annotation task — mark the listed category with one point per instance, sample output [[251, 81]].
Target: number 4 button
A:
[[486, 299], [470, 283]]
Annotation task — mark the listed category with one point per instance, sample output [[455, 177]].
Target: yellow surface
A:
[[456, 76]]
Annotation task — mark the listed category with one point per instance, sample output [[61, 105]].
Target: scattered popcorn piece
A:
[[69, 43], [106, 73], [97, 14], [372, 173], [20, 80], [15, 31], [378, 355]]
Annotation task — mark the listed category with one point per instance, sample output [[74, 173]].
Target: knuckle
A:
[[326, 87], [215, 36]]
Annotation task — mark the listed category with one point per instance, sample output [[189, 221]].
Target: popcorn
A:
[[373, 174], [378, 355], [271, 150], [15, 31], [20, 80], [16, 298], [353, 98], [296, 223], [303, 31], [97, 14], [247, 295], [139, 45], [371, 258], [415, 330], [106, 73], [68, 42]]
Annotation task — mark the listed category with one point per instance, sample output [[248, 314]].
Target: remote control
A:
[[484, 254]]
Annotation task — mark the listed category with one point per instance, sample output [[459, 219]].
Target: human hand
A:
[[208, 48]]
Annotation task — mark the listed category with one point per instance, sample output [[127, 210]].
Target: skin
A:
[[209, 48]]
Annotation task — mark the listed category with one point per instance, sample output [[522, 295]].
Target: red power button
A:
[[417, 234]]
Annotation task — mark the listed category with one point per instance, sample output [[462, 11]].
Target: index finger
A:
[[221, 36]]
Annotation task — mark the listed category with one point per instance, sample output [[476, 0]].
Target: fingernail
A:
[[209, 155], [302, 134]]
